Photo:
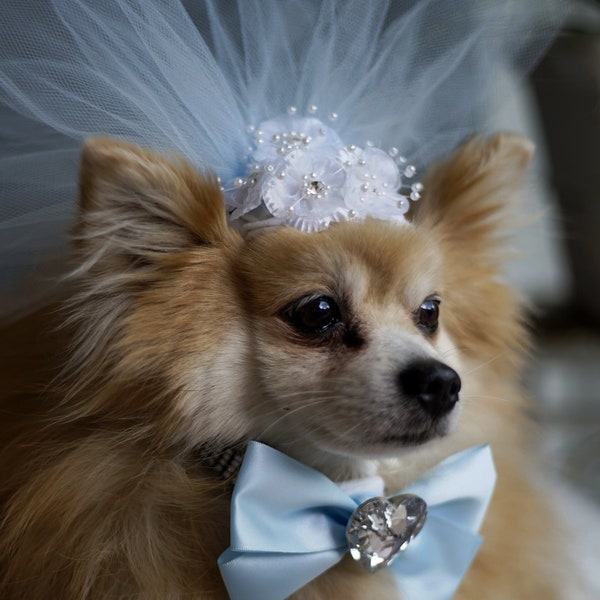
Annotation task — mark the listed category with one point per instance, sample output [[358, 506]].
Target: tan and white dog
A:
[[367, 347]]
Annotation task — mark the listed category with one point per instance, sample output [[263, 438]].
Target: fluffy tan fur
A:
[[172, 342]]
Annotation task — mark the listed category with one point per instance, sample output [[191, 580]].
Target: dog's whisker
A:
[[485, 363], [475, 397]]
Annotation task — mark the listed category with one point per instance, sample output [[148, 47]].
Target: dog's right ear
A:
[[136, 205]]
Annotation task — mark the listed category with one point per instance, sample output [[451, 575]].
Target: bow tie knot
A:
[[290, 523]]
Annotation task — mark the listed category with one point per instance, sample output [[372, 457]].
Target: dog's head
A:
[[354, 341]]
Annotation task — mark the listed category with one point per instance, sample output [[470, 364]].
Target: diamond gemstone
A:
[[315, 187], [381, 527]]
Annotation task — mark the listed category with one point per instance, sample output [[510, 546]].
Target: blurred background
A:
[[558, 247], [557, 267]]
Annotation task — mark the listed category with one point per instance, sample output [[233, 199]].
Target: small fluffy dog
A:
[[366, 347]]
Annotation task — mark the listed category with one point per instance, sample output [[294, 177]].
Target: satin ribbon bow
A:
[[288, 525]]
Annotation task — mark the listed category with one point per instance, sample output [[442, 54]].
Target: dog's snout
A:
[[432, 383]]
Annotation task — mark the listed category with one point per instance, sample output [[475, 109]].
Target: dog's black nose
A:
[[432, 383]]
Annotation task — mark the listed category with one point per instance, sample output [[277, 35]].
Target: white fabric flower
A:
[[373, 183], [276, 138], [309, 192]]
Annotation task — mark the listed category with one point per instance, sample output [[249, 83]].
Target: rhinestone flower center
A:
[[315, 188]]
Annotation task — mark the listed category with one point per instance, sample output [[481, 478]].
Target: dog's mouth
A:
[[408, 439], [382, 442], [435, 429]]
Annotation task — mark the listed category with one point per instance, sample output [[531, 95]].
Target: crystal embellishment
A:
[[381, 527], [302, 175]]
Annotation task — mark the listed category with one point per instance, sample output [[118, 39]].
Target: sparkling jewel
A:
[[380, 528], [316, 188]]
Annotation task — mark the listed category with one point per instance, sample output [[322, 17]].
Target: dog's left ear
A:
[[467, 210], [468, 197]]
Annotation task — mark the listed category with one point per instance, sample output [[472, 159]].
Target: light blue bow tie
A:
[[288, 525]]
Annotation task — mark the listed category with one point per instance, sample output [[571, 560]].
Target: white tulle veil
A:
[[192, 76]]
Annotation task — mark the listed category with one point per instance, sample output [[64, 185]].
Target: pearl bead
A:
[[312, 109], [292, 110], [333, 116]]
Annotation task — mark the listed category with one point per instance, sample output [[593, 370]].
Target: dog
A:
[[369, 347]]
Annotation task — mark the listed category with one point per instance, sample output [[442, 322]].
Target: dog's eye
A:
[[428, 315], [313, 315]]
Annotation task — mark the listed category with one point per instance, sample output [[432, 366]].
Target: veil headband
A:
[[406, 79]]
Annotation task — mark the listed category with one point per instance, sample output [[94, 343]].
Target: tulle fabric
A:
[[190, 77]]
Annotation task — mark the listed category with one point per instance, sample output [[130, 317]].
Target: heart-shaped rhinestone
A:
[[381, 527]]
